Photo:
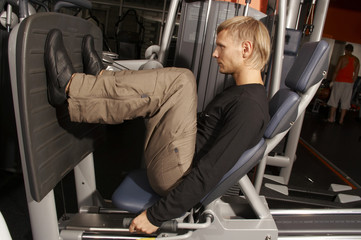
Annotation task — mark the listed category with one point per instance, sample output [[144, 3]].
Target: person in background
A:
[[346, 73]]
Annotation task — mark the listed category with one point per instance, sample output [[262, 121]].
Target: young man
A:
[[345, 75], [232, 123]]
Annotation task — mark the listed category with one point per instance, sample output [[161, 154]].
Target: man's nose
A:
[[215, 54]]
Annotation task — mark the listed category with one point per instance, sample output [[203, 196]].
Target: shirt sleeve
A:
[[243, 129]]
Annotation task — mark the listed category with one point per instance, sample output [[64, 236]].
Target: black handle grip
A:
[[127, 222], [23, 9], [168, 226]]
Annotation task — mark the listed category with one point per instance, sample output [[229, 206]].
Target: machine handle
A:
[[168, 226], [23, 9], [127, 222], [72, 3]]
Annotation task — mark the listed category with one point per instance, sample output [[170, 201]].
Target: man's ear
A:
[[247, 47]]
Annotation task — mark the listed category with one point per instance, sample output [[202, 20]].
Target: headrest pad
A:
[[309, 66]]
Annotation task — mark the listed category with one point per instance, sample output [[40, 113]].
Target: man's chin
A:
[[222, 71]]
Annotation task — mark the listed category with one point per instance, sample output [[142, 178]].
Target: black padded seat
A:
[[134, 194]]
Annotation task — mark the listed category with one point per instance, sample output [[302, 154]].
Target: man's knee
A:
[[188, 76], [187, 80]]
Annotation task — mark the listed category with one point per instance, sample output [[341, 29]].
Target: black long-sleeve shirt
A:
[[232, 123]]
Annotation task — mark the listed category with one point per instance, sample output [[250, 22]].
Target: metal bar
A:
[[319, 20], [121, 3], [279, 161], [245, 12], [203, 38], [9, 11], [196, 225], [318, 235], [348, 211], [43, 217], [278, 58], [168, 30], [253, 198], [85, 181], [162, 24], [299, 14], [292, 13], [99, 236], [23, 9], [260, 174], [127, 236], [346, 237]]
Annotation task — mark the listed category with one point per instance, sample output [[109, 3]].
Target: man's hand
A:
[[141, 224]]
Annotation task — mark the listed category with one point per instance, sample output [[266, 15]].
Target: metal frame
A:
[[286, 161]]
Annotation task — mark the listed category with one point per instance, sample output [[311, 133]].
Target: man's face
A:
[[228, 53]]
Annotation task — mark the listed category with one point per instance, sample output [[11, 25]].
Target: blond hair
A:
[[244, 28]]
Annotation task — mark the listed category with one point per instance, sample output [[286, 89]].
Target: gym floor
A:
[[327, 153]]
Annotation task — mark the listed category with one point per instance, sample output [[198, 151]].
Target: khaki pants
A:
[[167, 98]]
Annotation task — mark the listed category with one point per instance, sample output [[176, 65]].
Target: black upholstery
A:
[[307, 70], [283, 110], [309, 67], [246, 162], [134, 194]]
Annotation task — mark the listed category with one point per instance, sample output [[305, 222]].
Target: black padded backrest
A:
[[246, 162], [52, 145], [283, 110], [309, 66]]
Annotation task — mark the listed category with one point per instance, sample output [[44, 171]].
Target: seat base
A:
[[135, 194]]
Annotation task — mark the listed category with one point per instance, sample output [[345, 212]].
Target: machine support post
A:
[[292, 14], [85, 181], [43, 225], [278, 58], [168, 30], [295, 131], [253, 198], [246, 8], [319, 20]]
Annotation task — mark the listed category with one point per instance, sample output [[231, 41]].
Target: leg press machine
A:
[[51, 146]]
